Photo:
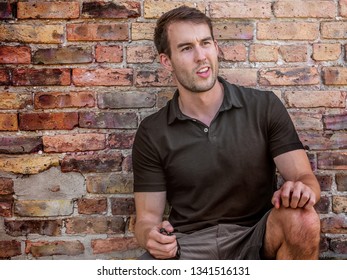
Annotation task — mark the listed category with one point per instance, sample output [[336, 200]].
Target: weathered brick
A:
[[307, 121], [14, 100], [6, 205], [27, 164], [263, 53], [74, 143], [121, 140], [43, 208], [248, 9], [6, 186], [326, 52], [48, 10], [341, 182], [325, 182], [8, 122], [323, 205], [8, 11], [323, 244], [118, 244], [233, 53], [293, 53], [123, 100], [335, 224], [95, 225], [9, 248], [339, 246], [334, 75], [339, 204], [65, 55], [15, 55], [92, 206], [304, 9], [97, 32], [334, 30], [25, 227], [122, 206], [111, 183], [330, 160], [233, 30], [20, 144], [51, 100], [29, 33], [127, 165], [46, 248], [312, 98], [107, 120], [289, 76], [159, 77], [318, 141], [164, 95], [142, 31], [287, 30], [141, 54], [243, 77], [45, 121], [343, 8], [335, 122], [125, 9], [155, 8], [112, 54], [102, 77], [5, 77], [92, 163], [41, 77]]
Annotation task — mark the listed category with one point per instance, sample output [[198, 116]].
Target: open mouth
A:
[[203, 70]]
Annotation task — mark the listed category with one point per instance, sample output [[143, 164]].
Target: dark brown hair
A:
[[182, 13]]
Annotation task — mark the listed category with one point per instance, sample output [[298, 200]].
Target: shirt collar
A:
[[231, 99]]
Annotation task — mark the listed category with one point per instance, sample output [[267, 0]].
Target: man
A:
[[212, 153]]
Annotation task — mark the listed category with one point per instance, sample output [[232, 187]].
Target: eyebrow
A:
[[189, 43]]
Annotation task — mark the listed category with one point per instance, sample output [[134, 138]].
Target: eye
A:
[[187, 48]]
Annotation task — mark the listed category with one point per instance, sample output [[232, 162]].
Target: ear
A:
[[165, 61]]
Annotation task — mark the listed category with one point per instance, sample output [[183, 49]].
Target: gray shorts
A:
[[222, 242]]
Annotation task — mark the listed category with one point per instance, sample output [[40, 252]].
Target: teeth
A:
[[203, 70]]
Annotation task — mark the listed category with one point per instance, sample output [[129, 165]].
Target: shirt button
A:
[[206, 129]]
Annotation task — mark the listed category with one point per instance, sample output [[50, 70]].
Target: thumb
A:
[[167, 226]]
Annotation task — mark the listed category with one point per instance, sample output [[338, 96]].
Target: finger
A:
[[167, 226], [304, 199], [286, 190], [296, 197], [276, 199]]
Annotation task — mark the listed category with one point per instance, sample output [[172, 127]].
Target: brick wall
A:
[[77, 77]]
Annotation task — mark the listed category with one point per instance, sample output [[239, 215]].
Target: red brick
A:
[[335, 122], [334, 75], [48, 10], [339, 204], [6, 205], [247, 10], [15, 55], [4, 77], [153, 78], [343, 8], [112, 54], [125, 9], [111, 183], [341, 181], [121, 140], [312, 98], [142, 31], [335, 224], [74, 143], [72, 99], [122, 206], [95, 225], [108, 120], [115, 244], [326, 52], [155, 8], [65, 55], [123, 100], [43, 208], [102, 77], [6, 186], [92, 163], [8, 122], [46, 248], [141, 54], [287, 30], [7, 10], [307, 121], [97, 32], [20, 144], [334, 30], [319, 141], [325, 182], [127, 165], [304, 9], [263, 53], [323, 205], [233, 52], [25, 227], [334, 161], [92, 206], [293, 53], [240, 76], [289, 76], [9, 248], [46, 121], [339, 246], [41, 77], [15, 100], [233, 31]]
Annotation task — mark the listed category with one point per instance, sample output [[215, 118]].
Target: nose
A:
[[200, 54]]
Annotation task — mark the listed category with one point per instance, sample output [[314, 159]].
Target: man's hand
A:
[[294, 195], [159, 245]]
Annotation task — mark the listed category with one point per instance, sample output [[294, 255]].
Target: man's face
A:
[[194, 56]]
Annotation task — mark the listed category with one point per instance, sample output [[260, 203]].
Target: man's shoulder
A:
[[156, 119]]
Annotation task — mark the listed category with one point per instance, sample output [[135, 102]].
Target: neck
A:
[[202, 106]]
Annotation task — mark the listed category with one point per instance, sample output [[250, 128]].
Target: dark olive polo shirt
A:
[[224, 173]]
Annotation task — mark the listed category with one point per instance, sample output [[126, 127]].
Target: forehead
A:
[[187, 32]]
